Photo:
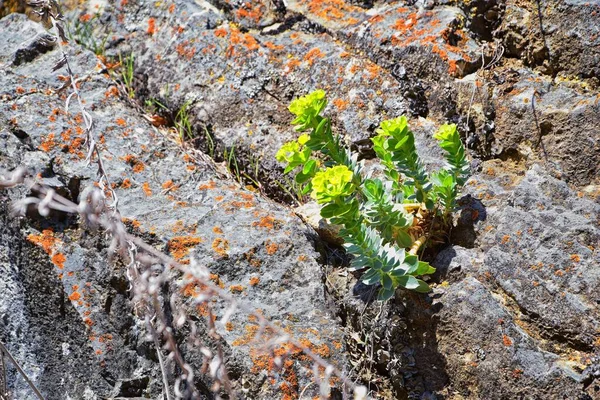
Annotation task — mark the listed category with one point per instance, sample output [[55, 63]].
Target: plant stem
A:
[[416, 245]]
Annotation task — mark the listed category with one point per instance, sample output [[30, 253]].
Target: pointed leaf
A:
[[423, 287], [386, 282], [385, 294], [408, 282], [403, 239], [371, 277]]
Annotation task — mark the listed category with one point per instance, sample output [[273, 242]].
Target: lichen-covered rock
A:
[[555, 37], [491, 355], [540, 240], [514, 312], [254, 248], [530, 116]]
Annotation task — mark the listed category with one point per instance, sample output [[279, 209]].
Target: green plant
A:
[[232, 164], [182, 122], [127, 72], [210, 143], [380, 217], [81, 30]]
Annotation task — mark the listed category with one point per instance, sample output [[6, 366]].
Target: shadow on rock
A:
[[472, 211]]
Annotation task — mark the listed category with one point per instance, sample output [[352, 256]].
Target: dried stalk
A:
[[90, 209], [95, 212], [4, 350]]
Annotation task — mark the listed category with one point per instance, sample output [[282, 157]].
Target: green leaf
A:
[[330, 210], [385, 294], [403, 239], [411, 262], [423, 268], [408, 282], [371, 277], [310, 167], [423, 287], [386, 281]]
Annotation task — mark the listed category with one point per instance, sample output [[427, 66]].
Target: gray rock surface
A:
[[67, 313]]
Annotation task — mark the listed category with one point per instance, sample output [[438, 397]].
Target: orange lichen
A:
[[373, 70], [505, 239], [251, 258], [575, 258], [48, 242], [133, 222], [133, 161], [151, 26], [271, 247], [215, 278], [146, 189], [272, 46], [312, 55], [220, 246], [75, 296], [217, 230], [170, 186], [249, 12], [171, 8], [209, 185], [321, 350], [180, 247], [121, 122], [59, 259], [267, 222], [229, 326], [48, 143], [185, 49], [236, 288], [333, 10], [292, 64], [404, 25], [516, 373], [245, 40], [254, 281], [126, 184], [341, 104], [220, 32], [506, 340]]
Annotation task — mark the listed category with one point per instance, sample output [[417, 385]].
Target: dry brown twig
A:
[[97, 212]]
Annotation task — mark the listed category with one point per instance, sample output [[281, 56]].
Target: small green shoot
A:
[[182, 122], [127, 73], [81, 30]]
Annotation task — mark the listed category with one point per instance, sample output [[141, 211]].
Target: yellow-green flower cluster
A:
[[332, 183], [307, 108]]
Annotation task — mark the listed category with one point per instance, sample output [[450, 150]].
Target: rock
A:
[[536, 118], [540, 242], [553, 37], [490, 355], [70, 321], [514, 312], [311, 214]]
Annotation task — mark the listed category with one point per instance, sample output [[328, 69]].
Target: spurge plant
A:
[[385, 220]]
